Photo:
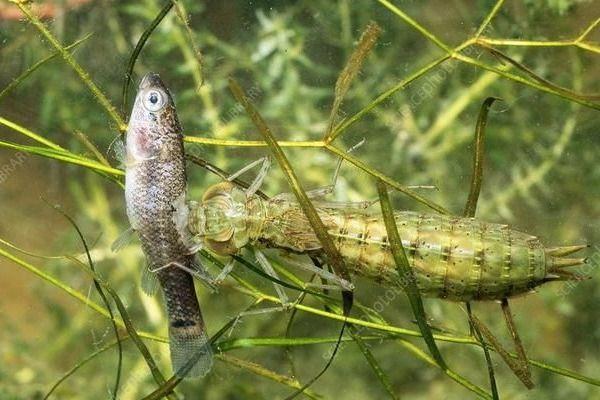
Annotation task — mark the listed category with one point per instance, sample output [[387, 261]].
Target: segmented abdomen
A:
[[456, 258], [453, 258]]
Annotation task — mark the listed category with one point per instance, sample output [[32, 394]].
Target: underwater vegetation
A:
[[301, 82]]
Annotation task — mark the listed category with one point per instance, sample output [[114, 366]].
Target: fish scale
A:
[[453, 258], [155, 188]]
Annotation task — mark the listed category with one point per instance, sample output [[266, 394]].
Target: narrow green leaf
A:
[[80, 364], [32, 135], [383, 379], [66, 156], [288, 334], [138, 49], [406, 274], [265, 372], [83, 298], [478, 154], [100, 291], [497, 346], [361, 51], [488, 359], [415, 25], [244, 343], [333, 255], [184, 18], [522, 371], [567, 92], [470, 208], [531, 83], [373, 172], [488, 18], [85, 140], [19, 79], [68, 57]]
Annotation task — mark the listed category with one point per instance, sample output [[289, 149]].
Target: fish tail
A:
[[188, 340], [187, 345]]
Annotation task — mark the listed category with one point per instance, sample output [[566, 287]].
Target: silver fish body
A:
[[155, 188]]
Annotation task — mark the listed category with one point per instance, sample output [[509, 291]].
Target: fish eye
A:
[[154, 100]]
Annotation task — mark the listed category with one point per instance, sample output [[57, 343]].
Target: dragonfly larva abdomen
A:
[[453, 258]]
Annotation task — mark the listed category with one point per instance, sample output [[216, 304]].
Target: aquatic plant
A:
[[415, 100]]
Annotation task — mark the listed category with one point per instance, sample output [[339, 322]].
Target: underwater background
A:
[[417, 106]]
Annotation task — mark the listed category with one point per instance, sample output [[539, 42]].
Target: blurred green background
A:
[[541, 176]]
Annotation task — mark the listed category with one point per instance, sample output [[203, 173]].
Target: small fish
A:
[[155, 189]]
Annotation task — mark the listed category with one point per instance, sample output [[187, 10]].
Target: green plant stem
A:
[[138, 49], [478, 154], [488, 18], [17, 81], [254, 292], [407, 278], [333, 255], [386, 179], [68, 57]]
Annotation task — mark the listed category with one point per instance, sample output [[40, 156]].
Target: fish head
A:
[[153, 123]]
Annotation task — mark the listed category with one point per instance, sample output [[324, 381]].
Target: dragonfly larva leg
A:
[[312, 194], [198, 272], [522, 371], [225, 271], [340, 282], [268, 268], [245, 169], [321, 286], [257, 183], [324, 191]]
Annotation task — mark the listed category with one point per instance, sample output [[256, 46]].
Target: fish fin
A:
[[188, 344], [181, 219], [122, 240], [119, 152], [149, 281]]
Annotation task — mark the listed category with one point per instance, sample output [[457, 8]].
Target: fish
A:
[[155, 190]]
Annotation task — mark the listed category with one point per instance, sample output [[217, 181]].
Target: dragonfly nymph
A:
[[455, 258]]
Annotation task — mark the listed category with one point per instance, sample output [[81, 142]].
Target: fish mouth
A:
[[151, 79]]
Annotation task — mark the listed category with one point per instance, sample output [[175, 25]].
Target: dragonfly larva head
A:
[[220, 220]]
